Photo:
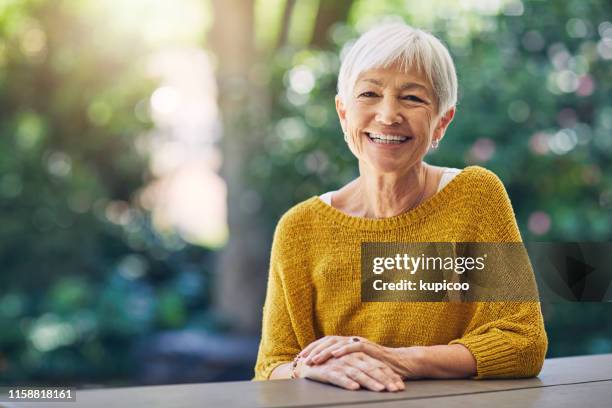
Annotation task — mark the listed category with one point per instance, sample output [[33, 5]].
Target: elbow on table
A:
[[262, 373], [524, 359], [530, 357], [535, 355]]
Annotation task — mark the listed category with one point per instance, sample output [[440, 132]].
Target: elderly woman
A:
[[397, 91]]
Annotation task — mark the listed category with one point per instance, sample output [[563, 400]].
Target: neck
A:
[[389, 194]]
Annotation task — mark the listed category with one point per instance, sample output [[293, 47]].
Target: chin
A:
[[380, 166], [385, 164]]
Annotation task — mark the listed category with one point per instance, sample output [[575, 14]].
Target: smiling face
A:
[[392, 118]]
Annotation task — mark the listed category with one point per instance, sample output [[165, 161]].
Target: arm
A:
[[439, 361], [442, 361], [503, 339], [507, 338], [281, 372], [279, 344]]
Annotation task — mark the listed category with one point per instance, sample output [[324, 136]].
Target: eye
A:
[[413, 98], [368, 94]]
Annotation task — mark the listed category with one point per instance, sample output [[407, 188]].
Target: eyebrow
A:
[[407, 85]]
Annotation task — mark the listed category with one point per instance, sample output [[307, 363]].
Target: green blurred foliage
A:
[[77, 288], [85, 274]]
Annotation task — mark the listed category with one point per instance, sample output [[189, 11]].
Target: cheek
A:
[[357, 120], [423, 119], [359, 116], [352, 120], [354, 128]]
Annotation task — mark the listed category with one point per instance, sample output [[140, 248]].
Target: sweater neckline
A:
[[378, 224]]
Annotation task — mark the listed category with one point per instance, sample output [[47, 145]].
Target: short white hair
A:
[[398, 43]]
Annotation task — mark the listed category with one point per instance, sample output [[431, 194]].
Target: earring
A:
[[345, 137], [434, 144]]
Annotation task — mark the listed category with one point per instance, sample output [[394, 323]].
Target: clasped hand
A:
[[351, 364]]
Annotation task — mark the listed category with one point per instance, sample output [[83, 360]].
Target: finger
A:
[[324, 355], [320, 347], [397, 379], [379, 371], [363, 379], [308, 350], [373, 370], [340, 379], [350, 348], [333, 376], [370, 350], [309, 347], [377, 374], [380, 364]]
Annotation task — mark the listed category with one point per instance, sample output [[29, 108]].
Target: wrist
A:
[[297, 367], [412, 361]]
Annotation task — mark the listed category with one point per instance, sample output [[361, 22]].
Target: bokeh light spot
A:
[[539, 223]]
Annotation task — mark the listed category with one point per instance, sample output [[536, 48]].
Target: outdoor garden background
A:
[[148, 148]]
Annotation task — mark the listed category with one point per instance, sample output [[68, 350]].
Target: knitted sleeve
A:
[[278, 343], [507, 339]]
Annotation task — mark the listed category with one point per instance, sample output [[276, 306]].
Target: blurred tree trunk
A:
[[284, 33], [329, 12], [245, 107], [242, 266]]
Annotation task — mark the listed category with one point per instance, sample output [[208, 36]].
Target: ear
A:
[[341, 112], [443, 123]]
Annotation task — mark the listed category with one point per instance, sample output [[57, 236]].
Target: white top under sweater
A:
[[447, 176]]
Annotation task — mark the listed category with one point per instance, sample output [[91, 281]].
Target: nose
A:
[[389, 112]]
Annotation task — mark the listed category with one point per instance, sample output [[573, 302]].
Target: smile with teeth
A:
[[387, 139]]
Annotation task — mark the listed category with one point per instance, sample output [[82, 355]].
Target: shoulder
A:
[[484, 192], [486, 184], [479, 174], [296, 232], [491, 203], [296, 220], [300, 214]]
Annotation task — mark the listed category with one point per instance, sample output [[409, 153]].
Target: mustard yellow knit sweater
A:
[[314, 282]]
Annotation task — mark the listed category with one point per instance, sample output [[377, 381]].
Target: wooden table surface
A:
[[583, 382]]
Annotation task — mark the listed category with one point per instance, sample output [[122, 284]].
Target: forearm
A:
[[282, 372], [441, 361]]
